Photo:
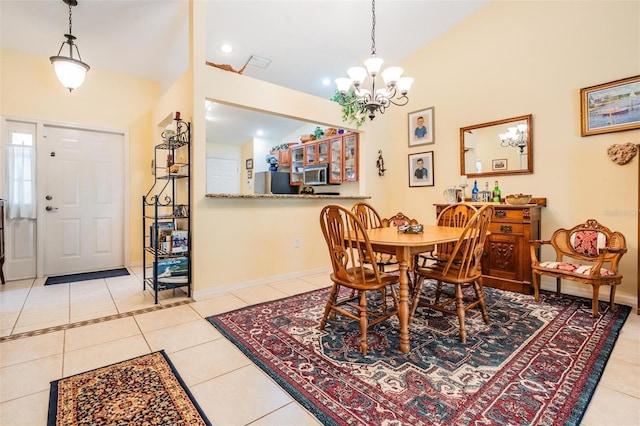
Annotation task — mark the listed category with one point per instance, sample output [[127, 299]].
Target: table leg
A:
[[402, 254]]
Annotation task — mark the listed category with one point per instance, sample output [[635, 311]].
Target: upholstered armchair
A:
[[588, 253]]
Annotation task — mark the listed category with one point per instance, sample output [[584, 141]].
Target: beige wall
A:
[[514, 58], [29, 89]]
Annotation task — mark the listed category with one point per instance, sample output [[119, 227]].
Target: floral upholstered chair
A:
[[588, 253]]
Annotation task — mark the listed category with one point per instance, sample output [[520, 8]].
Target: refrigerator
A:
[[273, 183]]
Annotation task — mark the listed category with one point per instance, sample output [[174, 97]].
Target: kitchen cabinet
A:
[[166, 223], [284, 157], [343, 158], [316, 152], [506, 261], [296, 155]]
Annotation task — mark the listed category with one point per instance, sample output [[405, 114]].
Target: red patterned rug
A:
[[535, 363], [145, 390]]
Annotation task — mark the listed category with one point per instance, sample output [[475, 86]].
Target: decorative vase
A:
[[273, 168]]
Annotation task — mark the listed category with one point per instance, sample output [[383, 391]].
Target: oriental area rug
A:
[[141, 391], [535, 363]]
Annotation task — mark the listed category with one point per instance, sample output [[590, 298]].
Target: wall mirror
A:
[[502, 147]]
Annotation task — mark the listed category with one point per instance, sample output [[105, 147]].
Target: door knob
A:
[[48, 197], [50, 208]]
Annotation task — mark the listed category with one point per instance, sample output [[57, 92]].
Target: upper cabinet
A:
[[344, 158], [316, 152], [296, 156]]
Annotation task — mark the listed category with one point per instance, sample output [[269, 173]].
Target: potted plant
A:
[[352, 112]]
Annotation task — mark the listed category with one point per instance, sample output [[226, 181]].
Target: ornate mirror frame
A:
[[485, 150]]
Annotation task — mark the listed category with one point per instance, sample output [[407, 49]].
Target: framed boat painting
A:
[[610, 107]]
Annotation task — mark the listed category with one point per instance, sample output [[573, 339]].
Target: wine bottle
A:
[[474, 191], [496, 193]]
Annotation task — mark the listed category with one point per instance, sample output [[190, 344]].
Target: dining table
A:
[[405, 246]]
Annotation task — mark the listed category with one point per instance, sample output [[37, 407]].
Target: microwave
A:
[[316, 175]]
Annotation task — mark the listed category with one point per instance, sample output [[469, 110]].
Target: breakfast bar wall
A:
[[506, 262]]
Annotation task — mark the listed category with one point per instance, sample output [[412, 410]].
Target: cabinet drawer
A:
[[506, 228], [507, 215]]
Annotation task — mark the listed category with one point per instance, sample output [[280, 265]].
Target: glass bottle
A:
[[496, 193], [474, 191]]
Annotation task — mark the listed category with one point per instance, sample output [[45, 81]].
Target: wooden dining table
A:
[[404, 246]]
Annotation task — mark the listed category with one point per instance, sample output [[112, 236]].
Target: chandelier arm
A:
[[401, 101]]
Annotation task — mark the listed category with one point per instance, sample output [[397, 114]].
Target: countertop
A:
[[289, 196]]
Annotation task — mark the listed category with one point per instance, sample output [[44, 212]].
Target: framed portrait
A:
[[421, 169], [249, 164], [421, 130], [610, 107], [249, 174], [499, 164]]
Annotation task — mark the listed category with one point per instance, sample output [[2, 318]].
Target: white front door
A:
[[83, 201]]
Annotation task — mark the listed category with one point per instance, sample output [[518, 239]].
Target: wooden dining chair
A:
[[461, 269], [371, 219], [368, 300]]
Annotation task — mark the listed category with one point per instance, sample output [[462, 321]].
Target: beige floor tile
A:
[[92, 314], [182, 336], [626, 350], [289, 415], [623, 377], [8, 319], [108, 353], [26, 411], [259, 294], [218, 304], [39, 318], [203, 362], [320, 279], [29, 377], [133, 302], [28, 349], [88, 288], [293, 287], [609, 407], [102, 332], [166, 318], [239, 397]]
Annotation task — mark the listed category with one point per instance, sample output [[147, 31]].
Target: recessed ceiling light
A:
[[226, 48], [326, 82], [259, 133]]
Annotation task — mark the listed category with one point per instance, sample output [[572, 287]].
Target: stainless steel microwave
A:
[[315, 175]]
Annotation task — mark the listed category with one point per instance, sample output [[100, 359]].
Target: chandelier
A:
[[515, 136], [371, 99], [70, 71]]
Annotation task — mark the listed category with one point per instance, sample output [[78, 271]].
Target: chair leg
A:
[[477, 286], [558, 286], [332, 301], [363, 322], [535, 277], [612, 297], [594, 303], [415, 296], [461, 313], [438, 291]]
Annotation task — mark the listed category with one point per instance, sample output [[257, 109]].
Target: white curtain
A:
[[21, 182]]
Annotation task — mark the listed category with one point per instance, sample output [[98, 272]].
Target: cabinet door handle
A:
[[506, 228], [501, 213]]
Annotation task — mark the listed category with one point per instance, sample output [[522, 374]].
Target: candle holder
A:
[[464, 191]]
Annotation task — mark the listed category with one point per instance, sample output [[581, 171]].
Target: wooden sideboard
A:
[[506, 262]]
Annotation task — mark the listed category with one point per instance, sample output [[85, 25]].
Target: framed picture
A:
[[249, 164], [249, 174], [421, 130], [499, 164], [421, 169], [610, 107]]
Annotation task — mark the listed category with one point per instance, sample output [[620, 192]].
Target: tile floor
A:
[[228, 386]]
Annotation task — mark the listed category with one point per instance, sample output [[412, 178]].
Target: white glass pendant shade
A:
[[357, 75], [343, 84], [522, 127], [391, 75], [373, 65], [404, 84], [70, 72]]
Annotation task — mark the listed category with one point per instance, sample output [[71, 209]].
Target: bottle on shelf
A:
[[497, 194], [474, 191]]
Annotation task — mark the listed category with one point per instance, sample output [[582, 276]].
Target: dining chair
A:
[[349, 250], [462, 269], [456, 216], [371, 219]]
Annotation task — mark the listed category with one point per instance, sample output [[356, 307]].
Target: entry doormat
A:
[[535, 363], [86, 276], [143, 390]]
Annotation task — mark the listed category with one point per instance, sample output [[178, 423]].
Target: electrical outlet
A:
[[296, 242]]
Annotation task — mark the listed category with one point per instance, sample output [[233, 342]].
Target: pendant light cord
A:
[[70, 33], [373, 28]]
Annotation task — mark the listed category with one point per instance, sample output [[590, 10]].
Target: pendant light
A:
[[69, 70]]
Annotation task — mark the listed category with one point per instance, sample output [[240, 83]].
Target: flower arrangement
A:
[[271, 159]]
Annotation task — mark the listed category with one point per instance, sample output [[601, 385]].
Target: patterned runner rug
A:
[[141, 391], [535, 363]]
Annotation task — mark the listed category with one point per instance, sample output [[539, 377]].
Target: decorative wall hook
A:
[[380, 164]]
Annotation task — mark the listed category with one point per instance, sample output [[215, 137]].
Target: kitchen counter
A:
[[290, 196]]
